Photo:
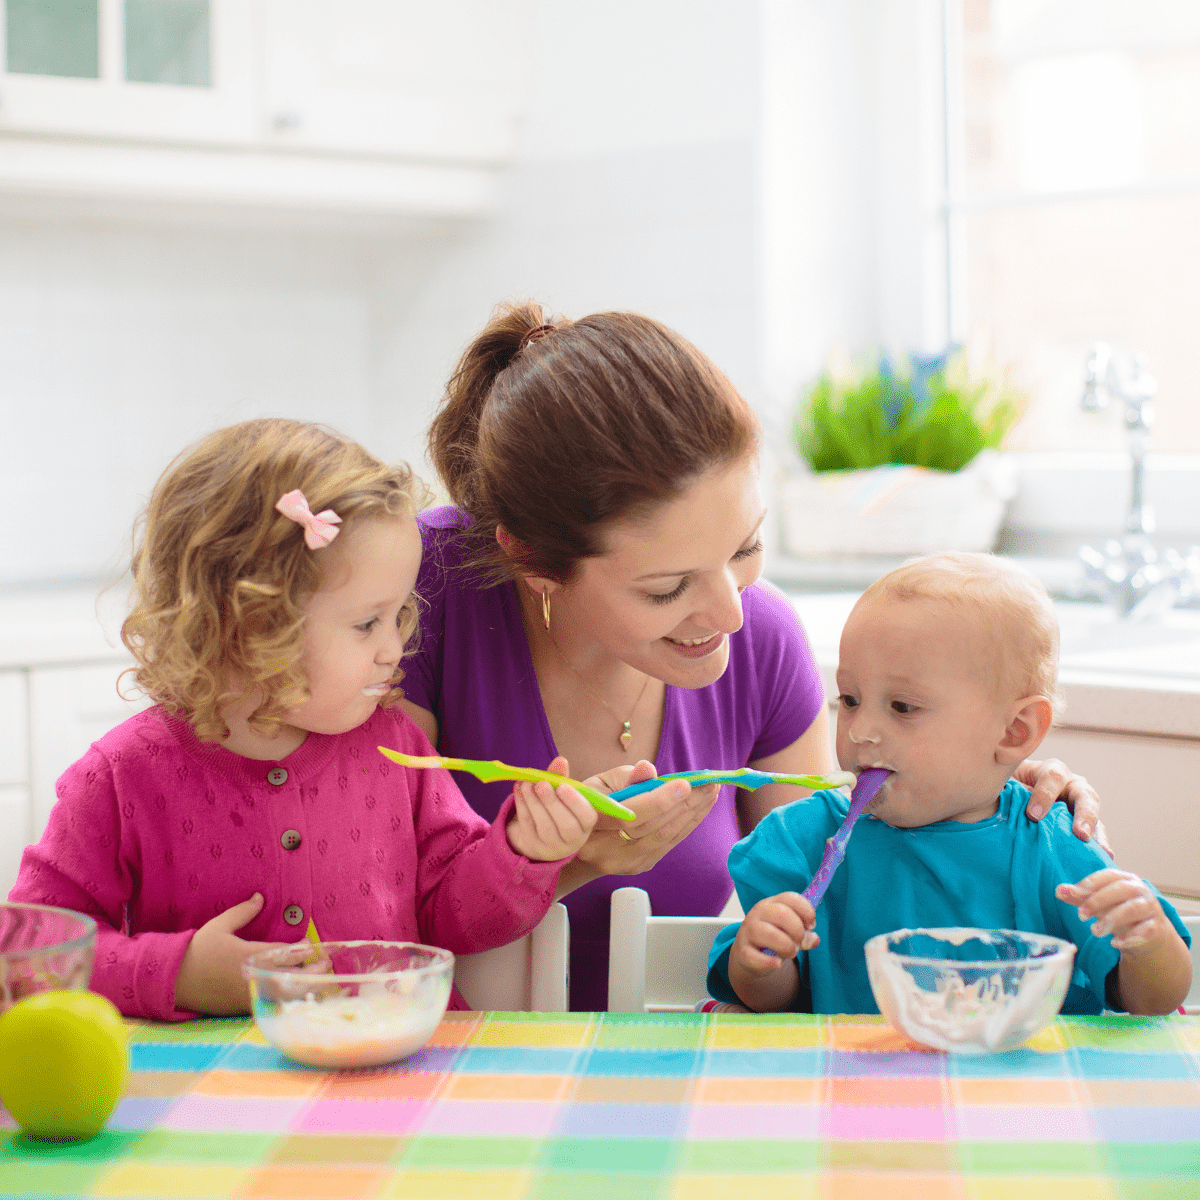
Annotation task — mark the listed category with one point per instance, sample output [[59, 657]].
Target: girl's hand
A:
[[549, 823], [782, 924], [1123, 905], [665, 817], [210, 976], [1050, 780]]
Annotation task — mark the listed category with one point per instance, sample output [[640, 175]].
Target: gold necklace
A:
[[626, 734]]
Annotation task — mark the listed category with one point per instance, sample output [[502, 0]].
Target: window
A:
[[1073, 147]]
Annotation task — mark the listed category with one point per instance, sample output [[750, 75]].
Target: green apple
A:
[[64, 1059]]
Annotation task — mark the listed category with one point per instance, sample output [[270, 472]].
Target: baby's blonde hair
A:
[[221, 577], [1010, 608]]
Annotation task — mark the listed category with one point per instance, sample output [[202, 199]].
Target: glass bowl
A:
[[43, 949], [349, 1004], [970, 990]]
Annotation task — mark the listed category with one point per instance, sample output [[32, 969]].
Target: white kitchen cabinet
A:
[[1150, 799], [396, 77], [14, 728], [346, 109], [199, 90], [15, 834], [69, 708]]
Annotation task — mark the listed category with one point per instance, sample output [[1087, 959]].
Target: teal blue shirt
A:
[[999, 873]]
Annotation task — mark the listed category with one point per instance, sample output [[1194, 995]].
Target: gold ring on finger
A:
[[622, 834]]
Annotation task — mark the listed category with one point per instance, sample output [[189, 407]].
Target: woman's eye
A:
[[667, 597], [847, 701], [903, 707], [749, 551]]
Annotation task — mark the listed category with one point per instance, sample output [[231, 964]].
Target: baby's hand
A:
[[773, 932], [210, 976], [549, 823], [1122, 903]]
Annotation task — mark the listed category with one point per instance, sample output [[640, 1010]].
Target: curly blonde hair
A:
[[221, 578]]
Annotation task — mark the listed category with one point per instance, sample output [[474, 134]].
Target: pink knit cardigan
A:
[[155, 833]]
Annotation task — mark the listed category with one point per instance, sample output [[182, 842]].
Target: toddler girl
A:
[[274, 576]]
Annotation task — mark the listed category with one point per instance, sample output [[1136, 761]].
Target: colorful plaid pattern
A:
[[680, 1106]]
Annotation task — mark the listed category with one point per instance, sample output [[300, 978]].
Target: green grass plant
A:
[[940, 418]]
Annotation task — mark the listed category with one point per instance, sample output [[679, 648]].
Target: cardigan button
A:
[[293, 914], [277, 776], [290, 839]]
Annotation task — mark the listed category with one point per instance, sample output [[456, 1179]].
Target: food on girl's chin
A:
[[64, 1060], [379, 1025]]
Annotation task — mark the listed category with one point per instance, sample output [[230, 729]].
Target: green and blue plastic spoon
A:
[[494, 771]]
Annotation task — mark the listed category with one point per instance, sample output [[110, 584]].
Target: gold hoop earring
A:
[[546, 607]]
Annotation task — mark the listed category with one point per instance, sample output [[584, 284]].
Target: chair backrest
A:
[[656, 964], [528, 975], [1192, 1003]]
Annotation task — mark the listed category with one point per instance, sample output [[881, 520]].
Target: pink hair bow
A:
[[319, 528]]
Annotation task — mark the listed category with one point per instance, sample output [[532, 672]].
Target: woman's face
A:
[[665, 597]]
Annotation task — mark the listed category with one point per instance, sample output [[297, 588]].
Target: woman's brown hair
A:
[[221, 577], [554, 429]]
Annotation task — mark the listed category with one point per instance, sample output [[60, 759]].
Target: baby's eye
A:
[[848, 701], [903, 707], [367, 626]]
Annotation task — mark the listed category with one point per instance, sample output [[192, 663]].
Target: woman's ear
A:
[[1029, 721], [515, 549]]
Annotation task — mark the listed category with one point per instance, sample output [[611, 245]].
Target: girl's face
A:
[[665, 596], [351, 641]]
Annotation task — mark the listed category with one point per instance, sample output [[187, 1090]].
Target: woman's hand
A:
[[210, 976], [1050, 780], [665, 817], [549, 823]]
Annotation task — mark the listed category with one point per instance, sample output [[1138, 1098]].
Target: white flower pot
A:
[[895, 509]]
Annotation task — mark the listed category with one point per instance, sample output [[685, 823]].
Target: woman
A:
[[593, 599]]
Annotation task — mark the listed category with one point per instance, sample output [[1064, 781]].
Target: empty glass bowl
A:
[[970, 990], [349, 1004], [42, 949]]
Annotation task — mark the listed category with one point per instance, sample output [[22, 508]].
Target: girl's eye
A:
[[367, 626], [903, 707], [749, 551], [847, 701], [667, 597]]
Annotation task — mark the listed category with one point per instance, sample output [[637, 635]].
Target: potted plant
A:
[[900, 460]]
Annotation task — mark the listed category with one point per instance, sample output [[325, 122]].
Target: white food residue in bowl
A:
[[973, 1007], [377, 1026]]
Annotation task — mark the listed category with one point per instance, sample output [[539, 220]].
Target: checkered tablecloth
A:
[[503, 1106]]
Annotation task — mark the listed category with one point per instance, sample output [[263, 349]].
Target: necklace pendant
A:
[[626, 737]]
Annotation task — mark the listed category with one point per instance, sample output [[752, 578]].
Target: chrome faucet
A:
[[1130, 572]]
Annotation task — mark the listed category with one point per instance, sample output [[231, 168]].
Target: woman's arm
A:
[[810, 753]]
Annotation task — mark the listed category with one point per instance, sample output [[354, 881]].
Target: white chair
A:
[[1191, 1003], [656, 964], [528, 975]]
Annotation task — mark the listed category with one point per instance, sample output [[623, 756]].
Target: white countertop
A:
[[52, 626], [1132, 677]]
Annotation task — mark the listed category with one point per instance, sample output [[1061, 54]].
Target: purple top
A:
[[472, 669]]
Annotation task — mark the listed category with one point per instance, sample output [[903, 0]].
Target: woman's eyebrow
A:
[[694, 570]]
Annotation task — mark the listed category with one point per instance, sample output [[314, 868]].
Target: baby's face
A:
[[917, 695]]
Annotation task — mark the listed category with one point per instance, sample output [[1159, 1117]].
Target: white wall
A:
[[121, 345]]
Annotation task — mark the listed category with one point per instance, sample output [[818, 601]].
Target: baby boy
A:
[[947, 677]]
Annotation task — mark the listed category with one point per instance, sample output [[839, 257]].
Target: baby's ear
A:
[[1029, 720]]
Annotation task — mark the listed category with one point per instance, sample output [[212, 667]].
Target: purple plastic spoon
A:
[[869, 782]]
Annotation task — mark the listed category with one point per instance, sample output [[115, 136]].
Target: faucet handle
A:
[[1095, 380]]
